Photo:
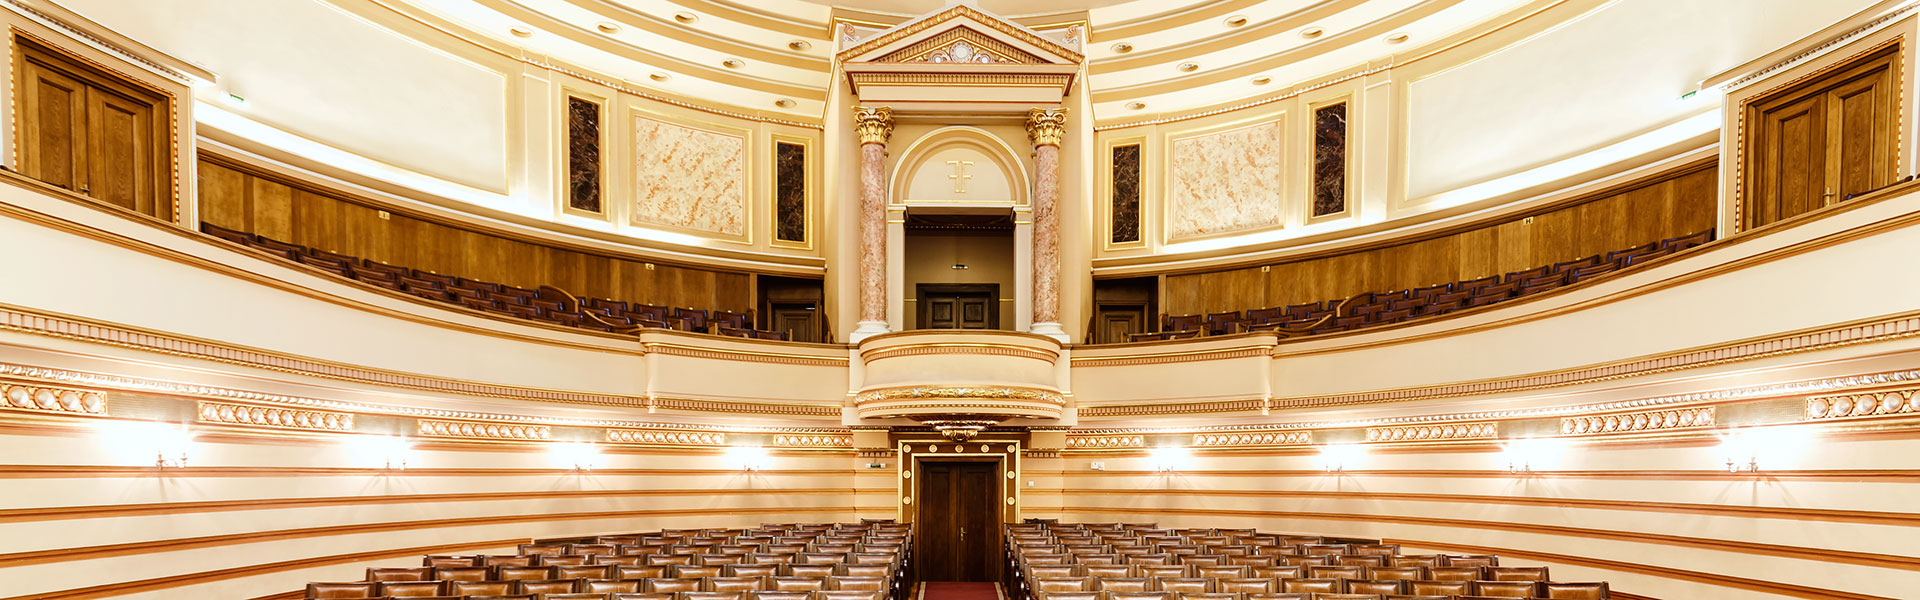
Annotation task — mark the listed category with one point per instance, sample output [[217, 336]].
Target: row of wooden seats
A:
[[541, 305], [1275, 596], [1378, 308], [1111, 561], [778, 562]]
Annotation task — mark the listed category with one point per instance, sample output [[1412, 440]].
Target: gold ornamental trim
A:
[[1104, 442], [1046, 126], [1865, 404], [277, 417], [686, 351], [980, 392], [1253, 438], [1180, 408], [979, 48], [1041, 80], [813, 441], [52, 399], [874, 124], [876, 354], [491, 431], [990, 21], [1263, 351], [666, 438], [1656, 420], [757, 408], [1446, 431]]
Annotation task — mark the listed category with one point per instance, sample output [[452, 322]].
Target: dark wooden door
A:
[[1816, 143], [956, 525], [1118, 321], [959, 306]]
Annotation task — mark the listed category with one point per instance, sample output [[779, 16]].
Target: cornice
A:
[[959, 11]]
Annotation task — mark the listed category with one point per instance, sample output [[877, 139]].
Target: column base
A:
[[1052, 330], [867, 329]]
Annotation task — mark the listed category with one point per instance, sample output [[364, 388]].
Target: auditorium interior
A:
[[949, 300]]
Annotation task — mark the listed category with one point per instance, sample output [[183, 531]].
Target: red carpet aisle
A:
[[959, 590]]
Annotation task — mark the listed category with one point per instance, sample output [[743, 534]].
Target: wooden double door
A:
[[957, 523], [959, 306], [91, 132], [1818, 142]]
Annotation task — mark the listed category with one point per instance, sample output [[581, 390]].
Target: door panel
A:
[[1819, 142], [119, 160], [53, 122], [958, 306], [956, 522]]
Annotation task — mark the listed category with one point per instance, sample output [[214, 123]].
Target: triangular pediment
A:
[[961, 34]]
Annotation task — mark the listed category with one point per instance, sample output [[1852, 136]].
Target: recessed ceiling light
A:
[[1262, 80], [606, 27], [783, 103], [520, 32], [1122, 48], [1311, 32], [1187, 67], [659, 76], [733, 63], [799, 45], [685, 17], [1236, 20], [1396, 38], [1136, 105]]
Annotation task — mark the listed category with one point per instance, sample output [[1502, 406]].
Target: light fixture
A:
[[1169, 459], [1397, 38], [658, 76], [579, 456], [1188, 67], [1311, 32], [1262, 80], [1336, 458], [1746, 449], [520, 31], [234, 100], [747, 458], [733, 63], [166, 444], [685, 18], [1235, 21], [1122, 48], [607, 27], [388, 451], [799, 45], [1136, 105], [959, 267], [783, 103], [1526, 454]]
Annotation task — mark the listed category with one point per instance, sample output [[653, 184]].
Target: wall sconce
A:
[[580, 456], [1169, 459], [1335, 458], [166, 444], [1522, 455], [388, 451], [1744, 449], [747, 458]]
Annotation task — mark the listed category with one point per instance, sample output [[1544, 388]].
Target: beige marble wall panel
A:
[[1225, 182], [689, 178]]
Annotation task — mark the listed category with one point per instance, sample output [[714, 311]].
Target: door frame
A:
[[991, 289], [995, 542]]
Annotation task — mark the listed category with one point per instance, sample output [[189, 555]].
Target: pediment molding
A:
[[920, 37], [960, 60], [962, 45]]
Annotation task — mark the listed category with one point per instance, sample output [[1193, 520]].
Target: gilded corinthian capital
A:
[[1046, 126], [873, 123]]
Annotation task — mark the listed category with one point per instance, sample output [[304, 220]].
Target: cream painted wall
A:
[[312, 69], [989, 259], [1611, 74]]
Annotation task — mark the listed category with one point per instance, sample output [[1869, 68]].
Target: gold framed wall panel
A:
[[610, 199], [1103, 188], [745, 174], [1170, 155], [1348, 95], [811, 205]]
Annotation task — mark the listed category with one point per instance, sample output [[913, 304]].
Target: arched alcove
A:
[[959, 230]]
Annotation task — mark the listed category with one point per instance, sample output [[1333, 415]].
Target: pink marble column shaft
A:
[[1046, 234], [873, 233]]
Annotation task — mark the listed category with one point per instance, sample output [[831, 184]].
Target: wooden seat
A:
[[1567, 590], [480, 588], [1505, 589], [342, 590]]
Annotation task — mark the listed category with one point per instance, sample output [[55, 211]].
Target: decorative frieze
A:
[[1104, 442], [813, 440], [496, 431], [666, 437], [1864, 404], [1252, 438], [1180, 408], [1655, 420], [52, 399], [1439, 432], [268, 416]]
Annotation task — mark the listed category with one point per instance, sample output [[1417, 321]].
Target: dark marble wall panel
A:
[[1330, 160], [1126, 194], [790, 192], [583, 155]]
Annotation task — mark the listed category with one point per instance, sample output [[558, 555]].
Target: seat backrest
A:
[[358, 589], [1315, 585], [734, 584], [1186, 585], [1571, 590], [1438, 588], [672, 586], [1517, 573], [548, 586], [1246, 585], [583, 572], [1455, 573], [1376, 586], [612, 586], [1505, 589], [840, 582], [399, 574], [480, 588], [411, 589]]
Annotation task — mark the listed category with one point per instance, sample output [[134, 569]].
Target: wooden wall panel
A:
[[236, 199], [1666, 206]]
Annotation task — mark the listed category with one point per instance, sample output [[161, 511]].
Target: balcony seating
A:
[[1379, 308], [1057, 561], [864, 561], [546, 305]]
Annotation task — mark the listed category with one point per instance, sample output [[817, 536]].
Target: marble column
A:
[[874, 124], [1045, 127]]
